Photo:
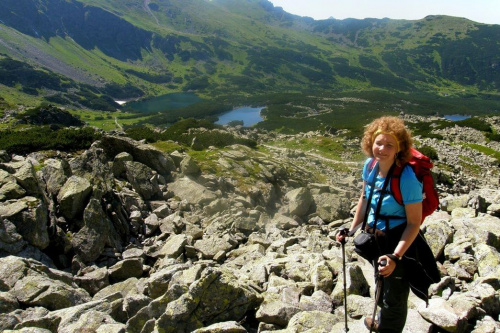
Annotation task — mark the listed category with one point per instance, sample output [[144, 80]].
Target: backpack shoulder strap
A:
[[396, 183], [371, 165], [372, 188]]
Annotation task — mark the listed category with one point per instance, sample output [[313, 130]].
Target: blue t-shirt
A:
[[411, 191]]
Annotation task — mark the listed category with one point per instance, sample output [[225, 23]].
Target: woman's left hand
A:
[[413, 216], [386, 270]]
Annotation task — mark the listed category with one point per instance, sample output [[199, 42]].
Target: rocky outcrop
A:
[[300, 201], [48, 115], [145, 154], [33, 284], [27, 217], [191, 191], [201, 305], [120, 238], [97, 233], [72, 196], [142, 179], [55, 173]]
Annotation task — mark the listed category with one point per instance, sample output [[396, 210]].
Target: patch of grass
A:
[[106, 120], [324, 146], [485, 150], [208, 162], [13, 96], [38, 167], [468, 164], [168, 146]]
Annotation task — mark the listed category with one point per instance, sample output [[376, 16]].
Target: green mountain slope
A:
[[130, 48]]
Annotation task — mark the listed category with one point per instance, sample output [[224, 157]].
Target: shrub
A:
[[143, 133], [493, 136], [57, 98], [216, 138], [234, 123], [46, 114], [45, 138], [104, 103], [186, 130], [176, 131], [430, 152], [199, 83], [476, 123], [444, 179], [424, 129], [199, 110]]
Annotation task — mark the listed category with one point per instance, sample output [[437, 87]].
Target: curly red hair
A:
[[393, 126]]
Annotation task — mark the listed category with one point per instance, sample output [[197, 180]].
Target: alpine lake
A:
[[249, 115]]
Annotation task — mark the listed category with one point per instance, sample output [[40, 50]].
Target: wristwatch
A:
[[397, 256], [394, 257]]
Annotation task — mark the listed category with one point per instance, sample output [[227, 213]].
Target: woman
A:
[[388, 143]]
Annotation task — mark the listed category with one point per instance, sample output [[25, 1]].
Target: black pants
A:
[[395, 289], [394, 301]]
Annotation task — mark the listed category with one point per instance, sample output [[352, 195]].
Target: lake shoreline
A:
[[249, 115], [456, 117]]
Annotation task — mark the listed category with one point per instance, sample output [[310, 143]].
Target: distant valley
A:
[[88, 54], [126, 206]]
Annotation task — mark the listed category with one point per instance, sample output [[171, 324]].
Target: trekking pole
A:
[[378, 290], [343, 231]]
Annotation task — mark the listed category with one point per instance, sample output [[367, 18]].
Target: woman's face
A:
[[385, 148]]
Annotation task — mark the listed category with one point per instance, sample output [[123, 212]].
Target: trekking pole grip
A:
[[344, 232]]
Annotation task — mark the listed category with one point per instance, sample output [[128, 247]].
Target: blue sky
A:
[[483, 11]]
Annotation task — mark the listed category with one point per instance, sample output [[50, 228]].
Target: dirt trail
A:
[[118, 124], [147, 9]]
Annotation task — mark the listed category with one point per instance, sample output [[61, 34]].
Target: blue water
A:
[[456, 117], [164, 102], [250, 116]]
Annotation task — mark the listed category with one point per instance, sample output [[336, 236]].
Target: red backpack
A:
[[422, 166]]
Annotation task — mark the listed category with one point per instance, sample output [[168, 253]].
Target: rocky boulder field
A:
[[124, 237]]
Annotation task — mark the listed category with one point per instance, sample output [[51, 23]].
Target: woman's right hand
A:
[[342, 235]]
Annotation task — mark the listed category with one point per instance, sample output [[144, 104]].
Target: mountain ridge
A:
[[228, 47]]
